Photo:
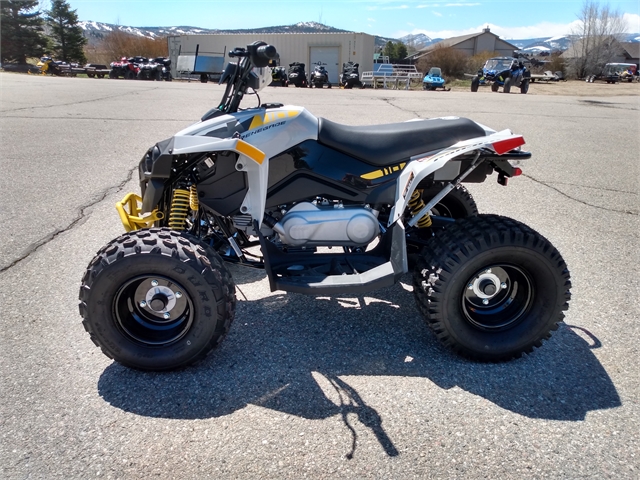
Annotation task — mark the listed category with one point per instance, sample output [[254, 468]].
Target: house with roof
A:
[[470, 45], [589, 58]]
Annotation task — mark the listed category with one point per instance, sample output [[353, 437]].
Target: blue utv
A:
[[505, 72]]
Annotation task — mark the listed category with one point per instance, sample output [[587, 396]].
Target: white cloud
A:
[[633, 22], [410, 24], [399, 7], [437, 14], [372, 20], [436, 5]]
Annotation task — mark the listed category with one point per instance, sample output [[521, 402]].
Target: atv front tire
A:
[[524, 87], [494, 87], [475, 83], [507, 85], [491, 288], [157, 300]]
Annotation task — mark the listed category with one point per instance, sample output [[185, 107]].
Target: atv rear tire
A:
[[491, 288], [112, 74], [457, 204], [475, 83], [494, 87], [524, 87], [129, 75], [507, 85], [157, 300]]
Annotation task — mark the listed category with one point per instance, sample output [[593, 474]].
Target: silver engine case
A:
[[310, 225]]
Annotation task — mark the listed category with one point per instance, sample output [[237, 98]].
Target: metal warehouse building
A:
[[332, 49]]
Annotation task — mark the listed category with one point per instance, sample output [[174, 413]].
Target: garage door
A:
[[329, 56]]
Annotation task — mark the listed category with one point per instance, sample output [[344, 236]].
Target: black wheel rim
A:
[[444, 210], [153, 310], [497, 297]]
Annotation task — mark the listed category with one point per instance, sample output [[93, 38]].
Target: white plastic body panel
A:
[[421, 166], [271, 131]]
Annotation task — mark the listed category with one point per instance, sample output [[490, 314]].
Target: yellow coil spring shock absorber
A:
[[179, 209], [415, 205], [193, 198]]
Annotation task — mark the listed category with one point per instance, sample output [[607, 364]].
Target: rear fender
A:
[[421, 166]]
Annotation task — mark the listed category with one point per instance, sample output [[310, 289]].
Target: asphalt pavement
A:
[[323, 387]]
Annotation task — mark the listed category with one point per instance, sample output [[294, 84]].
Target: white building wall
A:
[[292, 47]]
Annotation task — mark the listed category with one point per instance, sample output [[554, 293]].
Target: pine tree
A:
[[21, 28], [68, 41]]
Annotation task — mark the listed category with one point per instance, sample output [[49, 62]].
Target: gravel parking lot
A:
[[323, 387]]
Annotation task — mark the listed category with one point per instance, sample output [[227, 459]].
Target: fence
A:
[[388, 75]]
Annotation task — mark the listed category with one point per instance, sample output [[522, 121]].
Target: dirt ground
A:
[[576, 88]]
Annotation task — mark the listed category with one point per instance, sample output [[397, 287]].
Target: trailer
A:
[[208, 65], [94, 70]]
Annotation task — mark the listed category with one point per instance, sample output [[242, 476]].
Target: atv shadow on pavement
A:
[[291, 353]]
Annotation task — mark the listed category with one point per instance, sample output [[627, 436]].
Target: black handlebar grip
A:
[[266, 52]]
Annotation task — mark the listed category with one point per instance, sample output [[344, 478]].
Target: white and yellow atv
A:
[[323, 209]]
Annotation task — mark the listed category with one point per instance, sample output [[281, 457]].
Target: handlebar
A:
[[259, 52], [237, 75]]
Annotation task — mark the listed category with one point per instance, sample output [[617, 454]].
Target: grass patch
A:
[[463, 83]]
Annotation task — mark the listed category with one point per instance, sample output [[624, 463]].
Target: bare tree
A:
[[596, 37]]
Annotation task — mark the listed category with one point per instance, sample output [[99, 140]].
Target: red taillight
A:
[[504, 146], [517, 171]]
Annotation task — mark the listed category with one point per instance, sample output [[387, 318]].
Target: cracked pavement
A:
[[329, 387]]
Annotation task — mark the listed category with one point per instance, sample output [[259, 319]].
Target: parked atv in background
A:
[[126, 68], [149, 70], [433, 79], [350, 76], [506, 72], [165, 68], [319, 77], [296, 75], [323, 209], [279, 76]]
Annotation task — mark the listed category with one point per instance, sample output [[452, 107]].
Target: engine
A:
[[311, 225]]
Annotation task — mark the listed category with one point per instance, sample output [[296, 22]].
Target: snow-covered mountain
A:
[[95, 32], [557, 43], [418, 40]]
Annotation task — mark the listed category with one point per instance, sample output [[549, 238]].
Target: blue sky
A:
[[511, 19]]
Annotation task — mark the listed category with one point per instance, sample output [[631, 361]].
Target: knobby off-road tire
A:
[[507, 85], [475, 83], [494, 87], [491, 288], [157, 300], [457, 204], [524, 87]]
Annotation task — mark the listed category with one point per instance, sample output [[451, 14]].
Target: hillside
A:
[[95, 32]]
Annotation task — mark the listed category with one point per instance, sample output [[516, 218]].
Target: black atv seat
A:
[[391, 143]]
